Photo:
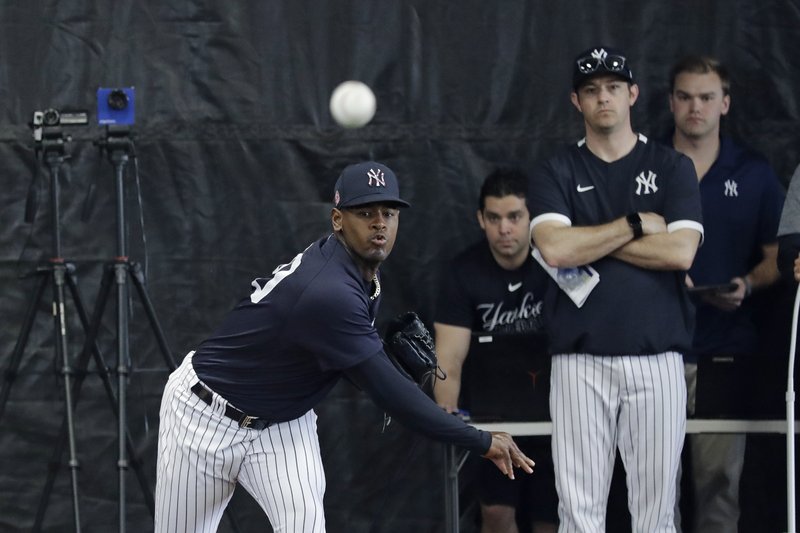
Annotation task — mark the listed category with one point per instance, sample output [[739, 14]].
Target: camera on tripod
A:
[[52, 118], [116, 106]]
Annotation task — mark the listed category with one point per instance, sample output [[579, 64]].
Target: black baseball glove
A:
[[410, 347]]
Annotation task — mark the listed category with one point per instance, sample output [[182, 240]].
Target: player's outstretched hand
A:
[[505, 454]]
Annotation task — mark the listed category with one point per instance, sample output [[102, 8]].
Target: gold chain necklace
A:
[[377, 288]]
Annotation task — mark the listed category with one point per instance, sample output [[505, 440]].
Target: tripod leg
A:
[[60, 322], [83, 363], [93, 328], [138, 282], [123, 372], [80, 373], [52, 472], [22, 340]]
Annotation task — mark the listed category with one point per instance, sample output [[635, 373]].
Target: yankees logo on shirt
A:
[[731, 188], [646, 184]]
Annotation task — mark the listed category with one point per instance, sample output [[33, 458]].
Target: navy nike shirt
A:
[[632, 310]]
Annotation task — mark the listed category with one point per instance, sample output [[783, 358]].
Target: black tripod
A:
[[119, 146], [61, 273]]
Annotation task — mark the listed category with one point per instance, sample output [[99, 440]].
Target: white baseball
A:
[[352, 104]]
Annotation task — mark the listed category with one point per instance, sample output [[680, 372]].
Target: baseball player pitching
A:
[[239, 409]]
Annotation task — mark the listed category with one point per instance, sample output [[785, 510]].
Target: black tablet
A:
[[712, 289]]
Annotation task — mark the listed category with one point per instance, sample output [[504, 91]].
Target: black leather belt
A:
[[244, 421]]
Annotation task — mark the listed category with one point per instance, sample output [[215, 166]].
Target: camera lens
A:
[[117, 99], [50, 117]]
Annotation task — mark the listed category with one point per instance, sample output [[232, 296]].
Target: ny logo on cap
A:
[[599, 54], [377, 175]]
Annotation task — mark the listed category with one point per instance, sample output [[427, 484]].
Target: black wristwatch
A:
[[635, 222]]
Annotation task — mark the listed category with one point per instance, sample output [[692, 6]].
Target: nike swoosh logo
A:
[[584, 189], [514, 286]]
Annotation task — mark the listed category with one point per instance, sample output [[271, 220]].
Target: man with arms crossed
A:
[[495, 286], [630, 209], [742, 199]]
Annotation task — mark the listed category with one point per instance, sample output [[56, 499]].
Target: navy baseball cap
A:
[[366, 183], [600, 60]]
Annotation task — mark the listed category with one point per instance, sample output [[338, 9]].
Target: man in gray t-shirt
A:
[[789, 231]]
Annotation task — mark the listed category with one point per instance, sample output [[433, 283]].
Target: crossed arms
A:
[[563, 245]]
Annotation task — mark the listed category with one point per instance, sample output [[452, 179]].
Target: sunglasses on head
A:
[[612, 63]]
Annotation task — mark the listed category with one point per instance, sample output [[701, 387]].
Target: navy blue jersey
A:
[[479, 294], [742, 200], [282, 349], [632, 310]]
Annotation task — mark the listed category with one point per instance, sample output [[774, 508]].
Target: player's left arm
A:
[[403, 399], [670, 250]]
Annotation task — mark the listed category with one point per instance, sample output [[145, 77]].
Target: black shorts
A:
[[534, 493]]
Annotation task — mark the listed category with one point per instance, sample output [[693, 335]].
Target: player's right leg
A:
[[199, 456], [584, 396], [283, 472]]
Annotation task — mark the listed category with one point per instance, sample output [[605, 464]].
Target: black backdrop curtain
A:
[[236, 156]]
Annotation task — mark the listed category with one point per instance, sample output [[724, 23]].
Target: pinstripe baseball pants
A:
[[601, 403], [202, 455]]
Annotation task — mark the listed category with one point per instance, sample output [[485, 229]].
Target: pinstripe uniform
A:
[[203, 454], [617, 374], [240, 408]]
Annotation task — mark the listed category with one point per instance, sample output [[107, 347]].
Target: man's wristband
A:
[[635, 222]]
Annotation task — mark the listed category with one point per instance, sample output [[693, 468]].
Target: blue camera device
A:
[[115, 106]]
